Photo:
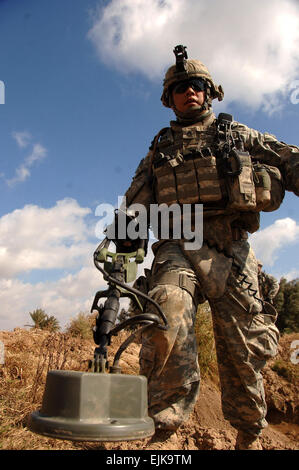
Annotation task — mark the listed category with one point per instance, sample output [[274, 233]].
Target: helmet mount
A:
[[181, 56]]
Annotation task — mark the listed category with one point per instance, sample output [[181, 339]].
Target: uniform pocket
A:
[[263, 336]]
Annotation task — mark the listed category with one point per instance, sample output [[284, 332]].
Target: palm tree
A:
[[43, 321], [52, 324], [39, 318]]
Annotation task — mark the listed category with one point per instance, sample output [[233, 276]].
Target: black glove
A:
[[126, 245]]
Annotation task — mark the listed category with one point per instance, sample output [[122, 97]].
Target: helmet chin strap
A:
[[194, 115]]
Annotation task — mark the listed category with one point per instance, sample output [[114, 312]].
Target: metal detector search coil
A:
[[84, 406]]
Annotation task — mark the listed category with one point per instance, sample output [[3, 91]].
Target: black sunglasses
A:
[[196, 83]]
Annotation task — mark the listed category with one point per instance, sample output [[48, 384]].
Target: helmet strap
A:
[[193, 116]]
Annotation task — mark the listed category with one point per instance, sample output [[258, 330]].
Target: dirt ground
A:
[[29, 354], [206, 429]]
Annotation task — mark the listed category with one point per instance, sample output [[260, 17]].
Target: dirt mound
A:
[[30, 354]]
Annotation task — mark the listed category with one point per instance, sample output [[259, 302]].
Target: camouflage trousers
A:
[[245, 336]]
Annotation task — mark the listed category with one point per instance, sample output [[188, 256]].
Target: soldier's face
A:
[[189, 99]]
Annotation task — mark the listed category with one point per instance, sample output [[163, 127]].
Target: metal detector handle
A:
[[101, 253], [102, 250]]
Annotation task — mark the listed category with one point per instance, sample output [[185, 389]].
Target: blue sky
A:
[[82, 104]]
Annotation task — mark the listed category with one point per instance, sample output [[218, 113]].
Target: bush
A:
[[286, 370], [287, 304], [81, 325]]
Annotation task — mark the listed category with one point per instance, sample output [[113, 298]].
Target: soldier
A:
[[235, 172], [268, 285]]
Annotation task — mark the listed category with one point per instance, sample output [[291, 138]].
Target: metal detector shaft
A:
[[118, 270]]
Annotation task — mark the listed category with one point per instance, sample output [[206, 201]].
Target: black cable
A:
[[148, 317], [129, 340], [130, 289]]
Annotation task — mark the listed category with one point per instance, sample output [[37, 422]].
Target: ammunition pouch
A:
[[269, 187], [241, 189], [188, 179], [258, 187]]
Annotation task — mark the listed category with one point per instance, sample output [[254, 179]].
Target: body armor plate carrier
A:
[[210, 166]]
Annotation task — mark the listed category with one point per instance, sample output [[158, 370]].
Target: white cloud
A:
[[63, 298], [39, 238], [251, 48], [59, 237], [293, 274], [22, 138], [23, 171], [36, 238], [269, 242]]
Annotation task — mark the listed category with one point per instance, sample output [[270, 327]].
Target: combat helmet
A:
[[189, 68]]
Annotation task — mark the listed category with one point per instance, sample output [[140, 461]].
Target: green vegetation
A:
[[81, 325], [287, 370], [43, 321], [287, 304]]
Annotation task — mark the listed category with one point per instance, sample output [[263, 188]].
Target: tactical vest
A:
[[185, 168], [191, 165]]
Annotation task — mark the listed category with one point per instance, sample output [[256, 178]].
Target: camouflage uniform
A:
[[268, 286], [224, 272]]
